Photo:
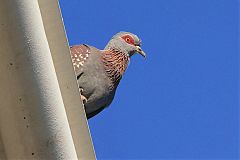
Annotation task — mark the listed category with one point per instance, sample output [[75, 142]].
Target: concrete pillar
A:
[[39, 109]]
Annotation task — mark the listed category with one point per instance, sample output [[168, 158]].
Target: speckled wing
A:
[[79, 55]]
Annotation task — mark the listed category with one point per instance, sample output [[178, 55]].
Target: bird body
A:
[[99, 72]]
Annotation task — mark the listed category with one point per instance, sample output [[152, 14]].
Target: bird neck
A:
[[115, 63]]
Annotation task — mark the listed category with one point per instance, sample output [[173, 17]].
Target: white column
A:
[[33, 120]]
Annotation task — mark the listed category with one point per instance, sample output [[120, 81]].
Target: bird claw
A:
[[81, 90], [83, 98]]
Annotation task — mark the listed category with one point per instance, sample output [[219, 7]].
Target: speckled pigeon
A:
[[100, 71]]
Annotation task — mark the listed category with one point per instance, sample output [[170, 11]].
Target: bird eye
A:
[[128, 39]]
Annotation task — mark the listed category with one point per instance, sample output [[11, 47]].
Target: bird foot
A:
[[83, 98]]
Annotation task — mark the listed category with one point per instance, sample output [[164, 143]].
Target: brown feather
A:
[[79, 55], [115, 63]]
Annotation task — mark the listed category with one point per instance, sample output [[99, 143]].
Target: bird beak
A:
[[140, 51]]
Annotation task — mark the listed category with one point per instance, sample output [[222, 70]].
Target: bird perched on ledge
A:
[[99, 72]]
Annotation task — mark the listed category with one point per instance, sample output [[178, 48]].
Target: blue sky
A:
[[182, 101]]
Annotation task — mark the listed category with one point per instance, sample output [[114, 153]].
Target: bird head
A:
[[126, 42]]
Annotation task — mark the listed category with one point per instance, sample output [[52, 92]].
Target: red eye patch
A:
[[128, 39]]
